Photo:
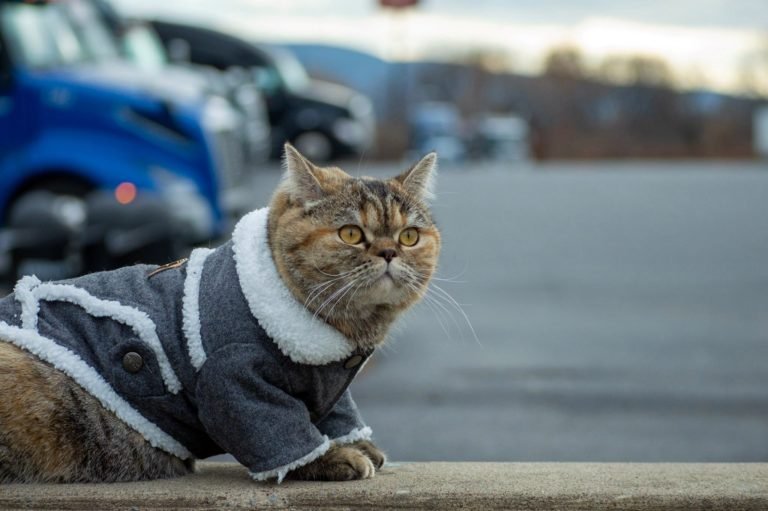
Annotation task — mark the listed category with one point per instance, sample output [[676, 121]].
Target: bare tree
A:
[[753, 71], [643, 70], [564, 62]]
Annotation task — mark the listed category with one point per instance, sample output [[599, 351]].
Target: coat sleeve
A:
[[244, 409], [344, 424]]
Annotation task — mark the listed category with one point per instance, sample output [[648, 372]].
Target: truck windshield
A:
[[90, 29], [39, 35], [144, 48], [49, 35]]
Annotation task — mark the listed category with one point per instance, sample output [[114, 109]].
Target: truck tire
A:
[[45, 221]]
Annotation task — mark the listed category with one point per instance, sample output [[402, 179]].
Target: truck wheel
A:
[[43, 224], [72, 192], [314, 145]]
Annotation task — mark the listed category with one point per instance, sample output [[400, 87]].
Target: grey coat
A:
[[201, 357]]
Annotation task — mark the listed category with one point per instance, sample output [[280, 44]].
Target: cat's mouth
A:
[[386, 278], [387, 286]]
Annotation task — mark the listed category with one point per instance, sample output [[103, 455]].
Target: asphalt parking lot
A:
[[620, 310]]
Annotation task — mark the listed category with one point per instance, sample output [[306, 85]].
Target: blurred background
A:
[[603, 196]]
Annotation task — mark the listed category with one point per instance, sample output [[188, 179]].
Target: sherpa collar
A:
[[300, 335]]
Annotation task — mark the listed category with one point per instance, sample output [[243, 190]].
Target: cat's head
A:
[[355, 251]]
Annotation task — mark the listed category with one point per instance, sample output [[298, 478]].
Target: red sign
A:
[[398, 4]]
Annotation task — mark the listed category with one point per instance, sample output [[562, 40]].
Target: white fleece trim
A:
[[355, 435], [281, 472], [302, 337], [30, 306], [87, 377], [190, 308], [33, 292]]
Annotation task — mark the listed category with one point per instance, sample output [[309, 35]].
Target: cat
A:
[[274, 325]]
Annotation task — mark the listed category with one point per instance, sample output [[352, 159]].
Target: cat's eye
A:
[[409, 237], [351, 234]]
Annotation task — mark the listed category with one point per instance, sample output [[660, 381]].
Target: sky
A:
[[706, 42]]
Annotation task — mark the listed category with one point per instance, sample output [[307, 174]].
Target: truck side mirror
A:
[[179, 51], [6, 79]]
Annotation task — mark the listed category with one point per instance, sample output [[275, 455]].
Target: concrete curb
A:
[[482, 486]]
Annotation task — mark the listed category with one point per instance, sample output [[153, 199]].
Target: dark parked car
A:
[[323, 120]]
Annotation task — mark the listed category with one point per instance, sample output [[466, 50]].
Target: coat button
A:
[[132, 362], [353, 361]]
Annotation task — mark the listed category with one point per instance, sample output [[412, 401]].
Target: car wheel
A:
[[314, 145]]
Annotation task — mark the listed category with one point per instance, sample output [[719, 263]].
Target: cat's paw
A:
[[340, 463], [375, 454]]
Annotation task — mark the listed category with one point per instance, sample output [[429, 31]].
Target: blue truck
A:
[[72, 125]]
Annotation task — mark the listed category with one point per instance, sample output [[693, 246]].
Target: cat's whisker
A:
[[442, 293], [434, 295], [352, 298], [438, 316], [321, 288], [452, 278], [336, 274], [442, 309], [341, 297], [332, 297], [360, 162], [328, 281], [428, 302], [448, 280], [349, 297], [314, 295], [325, 283], [418, 278], [426, 277], [386, 349]]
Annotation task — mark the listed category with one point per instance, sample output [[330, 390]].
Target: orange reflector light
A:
[[125, 193]]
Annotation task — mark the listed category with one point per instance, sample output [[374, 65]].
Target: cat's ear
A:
[[419, 180], [302, 180]]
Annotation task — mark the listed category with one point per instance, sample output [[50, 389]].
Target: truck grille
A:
[[230, 158]]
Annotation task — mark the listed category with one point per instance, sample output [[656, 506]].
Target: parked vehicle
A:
[[760, 131], [137, 41], [321, 119], [437, 126], [71, 125], [501, 137]]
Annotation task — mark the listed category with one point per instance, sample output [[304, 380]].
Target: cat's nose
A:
[[388, 254]]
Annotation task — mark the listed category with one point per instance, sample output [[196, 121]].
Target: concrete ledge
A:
[[545, 486]]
